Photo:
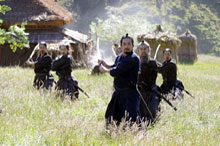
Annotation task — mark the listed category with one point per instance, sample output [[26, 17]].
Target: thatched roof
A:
[[188, 37], [188, 49], [76, 35], [161, 37], [35, 12], [165, 39], [56, 35]]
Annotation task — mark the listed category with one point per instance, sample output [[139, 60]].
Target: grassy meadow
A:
[[31, 117]]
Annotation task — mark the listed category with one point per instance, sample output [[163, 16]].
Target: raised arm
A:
[[102, 62]]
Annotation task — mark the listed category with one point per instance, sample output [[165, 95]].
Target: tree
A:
[[15, 36], [116, 17], [137, 17], [200, 18], [84, 12]]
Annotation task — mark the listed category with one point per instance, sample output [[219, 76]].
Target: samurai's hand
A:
[[30, 62], [154, 87], [158, 63], [102, 62]]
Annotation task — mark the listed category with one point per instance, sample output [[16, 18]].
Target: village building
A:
[[46, 21], [187, 53], [162, 38]]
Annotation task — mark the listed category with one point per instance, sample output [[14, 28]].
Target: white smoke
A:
[[98, 53], [95, 54]]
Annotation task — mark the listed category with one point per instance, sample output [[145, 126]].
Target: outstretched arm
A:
[[103, 69], [101, 62]]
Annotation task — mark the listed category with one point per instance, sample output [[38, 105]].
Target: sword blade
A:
[[155, 55]]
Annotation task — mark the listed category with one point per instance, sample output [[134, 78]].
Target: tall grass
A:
[[31, 117]]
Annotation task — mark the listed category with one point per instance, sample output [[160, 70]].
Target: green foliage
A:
[[15, 36], [115, 18], [84, 12], [127, 19], [138, 17], [199, 18], [115, 27]]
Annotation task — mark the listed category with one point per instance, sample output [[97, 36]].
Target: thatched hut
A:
[[188, 49], [77, 42], [165, 39], [45, 22]]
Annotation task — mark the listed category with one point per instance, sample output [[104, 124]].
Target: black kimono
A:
[[146, 84], [42, 68], [170, 82], [125, 99], [67, 84]]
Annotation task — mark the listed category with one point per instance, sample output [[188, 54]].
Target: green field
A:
[[32, 117]]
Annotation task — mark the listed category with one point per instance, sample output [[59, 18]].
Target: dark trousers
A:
[[174, 88], [153, 103], [123, 105], [68, 86], [43, 81]]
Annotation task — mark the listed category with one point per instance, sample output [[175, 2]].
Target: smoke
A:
[[117, 19], [95, 54], [100, 52]]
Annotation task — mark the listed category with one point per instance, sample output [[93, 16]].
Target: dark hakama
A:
[[153, 103], [123, 105], [175, 88], [68, 86], [43, 81], [170, 82]]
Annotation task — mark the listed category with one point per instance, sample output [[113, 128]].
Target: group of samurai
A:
[[136, 96], [63, 66]]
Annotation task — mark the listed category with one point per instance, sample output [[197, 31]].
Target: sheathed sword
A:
[[161, 96], [167, 101], [187, 92], [80, 89], [145, 105]]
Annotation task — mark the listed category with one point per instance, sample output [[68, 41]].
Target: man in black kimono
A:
[[63, 66], [147, 82], [42, 67], [125, 99], [169, 73]]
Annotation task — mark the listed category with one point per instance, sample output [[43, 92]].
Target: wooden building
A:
[[46, 21]]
